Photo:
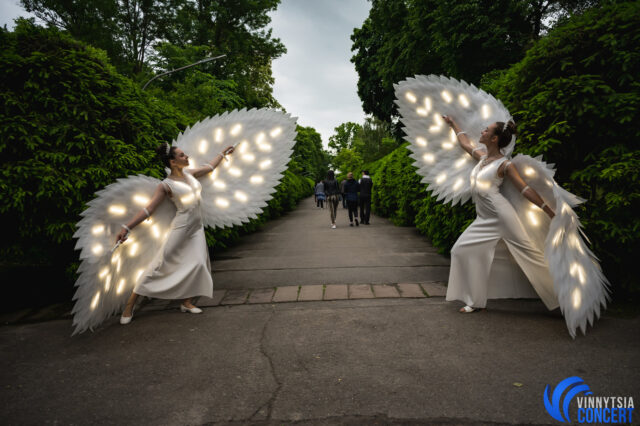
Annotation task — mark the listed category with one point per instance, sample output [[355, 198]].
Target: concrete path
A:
[[375, 358], [301, 249]]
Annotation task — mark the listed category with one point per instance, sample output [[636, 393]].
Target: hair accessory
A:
[[168, 149]]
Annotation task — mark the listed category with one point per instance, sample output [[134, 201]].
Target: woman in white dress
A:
[[477, 271], [181, 270]]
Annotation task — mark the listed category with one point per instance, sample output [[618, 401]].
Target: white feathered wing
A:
[[580, 285], [234, 193]]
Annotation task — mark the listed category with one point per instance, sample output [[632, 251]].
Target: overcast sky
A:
[[314, 80]]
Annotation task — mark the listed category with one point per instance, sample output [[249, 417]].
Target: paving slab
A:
[[310, 292], [261, 295], [410, 290], [435, 289], [360, 291], [336, 292], [212, 301], [286, 294], [385, 290], [235, 297]]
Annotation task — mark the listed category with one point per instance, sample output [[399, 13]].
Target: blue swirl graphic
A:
[[575, 385]]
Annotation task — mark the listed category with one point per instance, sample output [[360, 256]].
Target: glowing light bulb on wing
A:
[[155, 231], [118, 265], [447, 145], [260, 137], [256, 179], [242, 148], [218, 135], [117, 209], [97, 229], [219, 184], [204, 146], [97, 249], [121, 284], [422, 111], [107, 283], [446, 96], [461, 162], [576, 298], [249, 158], [276, 132], [557, 238], [464, 101], [458, 184], [410, 97], [235, 171], [429, 158], [235, 130], [241, 196], [421, 141], [482, 184], [214, 174], [574, 242], [138, 275], [548, 182], [134, 249], [486, 111], [222, 202], [115, 257], [452, 136], [441, 177], [103, 272], [264, 147], [533, 219], [141, 200], [529, 171], [577, 270], [265, 164], [427, 104], [94, 301]]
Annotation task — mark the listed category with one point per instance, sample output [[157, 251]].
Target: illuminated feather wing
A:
[[241, 186], [445, 166], [581, 287], [107, 279]]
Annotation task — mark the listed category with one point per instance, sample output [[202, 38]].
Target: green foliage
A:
[[309, 159], [575, 97], [344, 136], [399, 195], [458, 38]]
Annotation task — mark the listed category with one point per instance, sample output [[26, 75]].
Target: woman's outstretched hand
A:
[[122, 236], [448, 120]]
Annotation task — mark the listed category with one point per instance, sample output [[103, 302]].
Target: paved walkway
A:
[[391, 356]]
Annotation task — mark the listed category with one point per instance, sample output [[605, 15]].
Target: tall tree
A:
[[344, 136]]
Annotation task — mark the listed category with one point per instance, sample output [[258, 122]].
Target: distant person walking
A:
[[351, 189], [332, 191], [344, 198], [366, 184], [320, 195]]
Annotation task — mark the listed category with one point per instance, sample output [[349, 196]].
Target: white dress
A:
[[181, 269], [494, 257]]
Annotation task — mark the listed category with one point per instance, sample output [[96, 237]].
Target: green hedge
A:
[[575, 97], [70, 126]]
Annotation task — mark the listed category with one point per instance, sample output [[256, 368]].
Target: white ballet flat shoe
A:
[[126, 320], [194, 310], [468, 309]]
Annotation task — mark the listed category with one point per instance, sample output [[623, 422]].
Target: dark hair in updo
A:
[[161, 150], [504, 132]]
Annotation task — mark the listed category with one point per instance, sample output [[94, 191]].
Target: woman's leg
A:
[[128, 310]]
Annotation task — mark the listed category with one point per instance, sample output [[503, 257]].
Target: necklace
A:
[[486, 161]]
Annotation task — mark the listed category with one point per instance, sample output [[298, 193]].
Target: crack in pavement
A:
[[272, 369]]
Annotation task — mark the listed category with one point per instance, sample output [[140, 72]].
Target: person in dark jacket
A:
[[344, 198], [332, 191], [351, 189], [366, 184]]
